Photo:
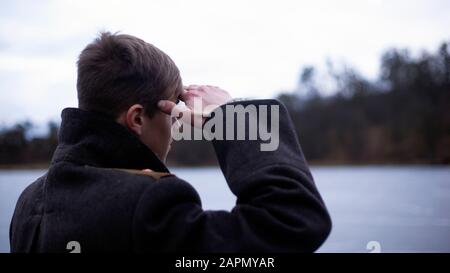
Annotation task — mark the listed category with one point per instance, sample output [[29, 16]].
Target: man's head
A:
[[124, 77]]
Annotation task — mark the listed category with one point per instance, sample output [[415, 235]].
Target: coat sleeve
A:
[[278, 207]]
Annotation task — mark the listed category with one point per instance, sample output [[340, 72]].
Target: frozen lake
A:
[[404, 209]]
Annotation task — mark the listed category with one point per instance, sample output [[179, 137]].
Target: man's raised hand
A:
[[200, 101]]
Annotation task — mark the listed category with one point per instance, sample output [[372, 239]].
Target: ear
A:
[[134, 118]]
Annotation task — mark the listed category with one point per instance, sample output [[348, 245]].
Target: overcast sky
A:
[[250, 48]]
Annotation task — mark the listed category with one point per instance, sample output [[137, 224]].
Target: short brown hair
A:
[[116, 71]]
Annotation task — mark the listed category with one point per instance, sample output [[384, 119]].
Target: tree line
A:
[[402, 117]]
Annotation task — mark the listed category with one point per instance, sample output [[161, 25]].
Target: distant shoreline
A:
[[45, 165], [31, 166]]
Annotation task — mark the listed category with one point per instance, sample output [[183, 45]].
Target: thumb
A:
[[166, 106]]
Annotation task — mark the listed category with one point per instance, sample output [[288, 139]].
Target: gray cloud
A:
[[252, 48]]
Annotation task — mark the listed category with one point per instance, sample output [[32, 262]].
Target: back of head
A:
[[116, 71]]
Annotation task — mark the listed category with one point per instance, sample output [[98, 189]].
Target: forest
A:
[[401, 117]]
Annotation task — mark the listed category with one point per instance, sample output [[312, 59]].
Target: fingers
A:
[[193, 87], [201, 88], [178, 111], [197, 88], [166, 106], [184, 95], [187, 94]]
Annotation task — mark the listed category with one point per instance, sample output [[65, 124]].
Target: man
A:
[[108, 190]]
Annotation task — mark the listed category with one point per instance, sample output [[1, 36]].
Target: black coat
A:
[[85, 197]]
